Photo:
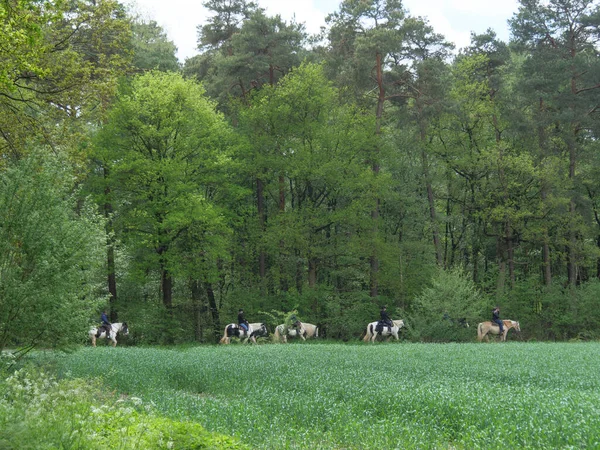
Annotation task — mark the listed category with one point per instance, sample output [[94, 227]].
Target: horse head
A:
[[398, 323], [124, 329], [261, 331], [516, 326]]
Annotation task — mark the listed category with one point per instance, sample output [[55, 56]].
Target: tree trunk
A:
[[312, 272], [546, 267], [283, 281], [571, 256], [197, 309], [214, 311], [374, 260], [261, 217], [166, 284], [110, 252]]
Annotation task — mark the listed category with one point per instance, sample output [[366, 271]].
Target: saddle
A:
[[381, 325]]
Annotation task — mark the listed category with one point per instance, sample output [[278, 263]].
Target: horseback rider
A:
[[384, 318], [295, 324], [496, 319], [106, 325], [242, 322]]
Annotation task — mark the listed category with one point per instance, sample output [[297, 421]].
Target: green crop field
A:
[[324, 395]]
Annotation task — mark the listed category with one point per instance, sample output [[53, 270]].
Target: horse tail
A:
[[276, 335], [368, 334], [480, 332], [224, 338]]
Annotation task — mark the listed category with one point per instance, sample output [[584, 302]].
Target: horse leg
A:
[[93, 341]]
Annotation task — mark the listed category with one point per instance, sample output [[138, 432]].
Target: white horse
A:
[[484, 329], [234, 330], [372, 332], [302, 330], [112, 335]]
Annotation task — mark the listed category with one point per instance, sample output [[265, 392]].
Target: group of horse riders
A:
[[294, 324]]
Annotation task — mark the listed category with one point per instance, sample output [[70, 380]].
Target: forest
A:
[[287, 173]]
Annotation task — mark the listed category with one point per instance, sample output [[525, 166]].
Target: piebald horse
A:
[[485, 328], [302, 330], [112, 336], [234, 330], [372, 332]]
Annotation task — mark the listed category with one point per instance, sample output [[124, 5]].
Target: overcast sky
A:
[[455, 19]]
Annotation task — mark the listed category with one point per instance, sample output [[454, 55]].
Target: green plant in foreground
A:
[[39, 412], [332, 396]]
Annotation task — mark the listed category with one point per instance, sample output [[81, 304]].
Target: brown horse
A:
[[303, 330], [485, 328]]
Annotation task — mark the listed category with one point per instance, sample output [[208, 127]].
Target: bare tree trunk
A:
[[197, 309], [500, 284], [572, 243], [312, 272], [110, 252], [432, 212], [214, 310], [374, 260], [166, 283], [546, 266], [283, 282]]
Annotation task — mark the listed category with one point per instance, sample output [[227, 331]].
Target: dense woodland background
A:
[[329, 175]]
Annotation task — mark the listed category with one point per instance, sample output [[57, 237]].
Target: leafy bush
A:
[[52, 252], [39, 412], [440, 309]]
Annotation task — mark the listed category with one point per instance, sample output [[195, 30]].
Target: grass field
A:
[[334, 396]]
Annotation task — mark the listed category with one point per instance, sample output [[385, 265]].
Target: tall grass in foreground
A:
[[39, 412], [519, 395]]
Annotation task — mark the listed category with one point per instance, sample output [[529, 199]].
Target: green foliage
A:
[[440, 308], [37, 411], [369, 396], [51, 255], [152, 50], [59, 60], [169, 155], [554, 312]]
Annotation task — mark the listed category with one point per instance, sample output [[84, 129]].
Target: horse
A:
[[485, 328], [303, 330], [372, 332], [234, 330], [112, 335]]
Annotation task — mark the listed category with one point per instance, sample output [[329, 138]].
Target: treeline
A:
[[276, 171]]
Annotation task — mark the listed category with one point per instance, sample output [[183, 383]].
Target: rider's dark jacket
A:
[[104, 319], [242, 319], [384, 317], [495, 315]]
